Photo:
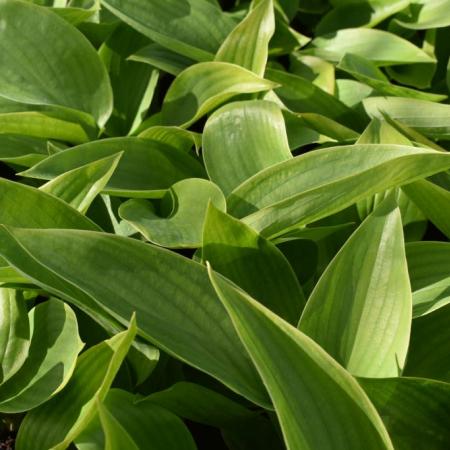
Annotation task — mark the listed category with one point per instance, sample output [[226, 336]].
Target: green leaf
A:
[[162, 58], [78, 187], [414, 411], [320, 183], [302, 96], [146, 169], [433, 201], [17, 201], [427, 356], [51, 358], [253, 263], [426, 14], [360, 310], [22, 150], [146, 422], [14, 333], [429, 271], [163, 288], [41, 64], [381, 47], [248, 44], [310, 391], [176, 137], [193, 28], [202, 87], [429, 118], [182, 228], [242, 138], [58, 422], [367, 72]]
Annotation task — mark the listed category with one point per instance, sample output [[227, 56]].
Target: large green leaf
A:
[[242, 138], [415, 411], [429, 118], [320, 183], [193, 28], [202, 87], [46, 61], [51, 358], [248, 44], [79, 187], [360, 310], [58, 422], [426, 14], [22, 150], [163, 289], [253, 263], [429, 271], [310, 391], [14, 333], [367, 72], [187, 204], [379, 46], [146, 169], [17, 201], [433, 201]]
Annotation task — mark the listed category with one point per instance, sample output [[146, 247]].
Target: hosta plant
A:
[[224, 224]]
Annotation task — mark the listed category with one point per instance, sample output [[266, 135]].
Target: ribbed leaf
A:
[[360, 310], [193, 28], [162, 288], [14, 333], [253, 263], [202, 87], [40, 62], [248, 44], [318, 404], [146, 169], [51, 358], [242, 138], [322, 182], [187, 204], [56, 423]]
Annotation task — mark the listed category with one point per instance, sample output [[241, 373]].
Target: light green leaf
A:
[[248, 44], [146, 169], [381, 47], [162, 58], [429, 270], [202, 87], [186, 203], [414, 411], [163, 288], [51, 358], [320, 183], [17, 201], [192, 28], [367, 72], [310, 391], [174, 136], [55, 424], [253, 263], [429, 118], [242, 138], [302, 96], [22, 150], [30, 54], [14, 333], [360, 310], [78, 187], [433, 201], [426, 14]]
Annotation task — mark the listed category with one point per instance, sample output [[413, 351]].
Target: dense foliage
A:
[[224, 224]]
